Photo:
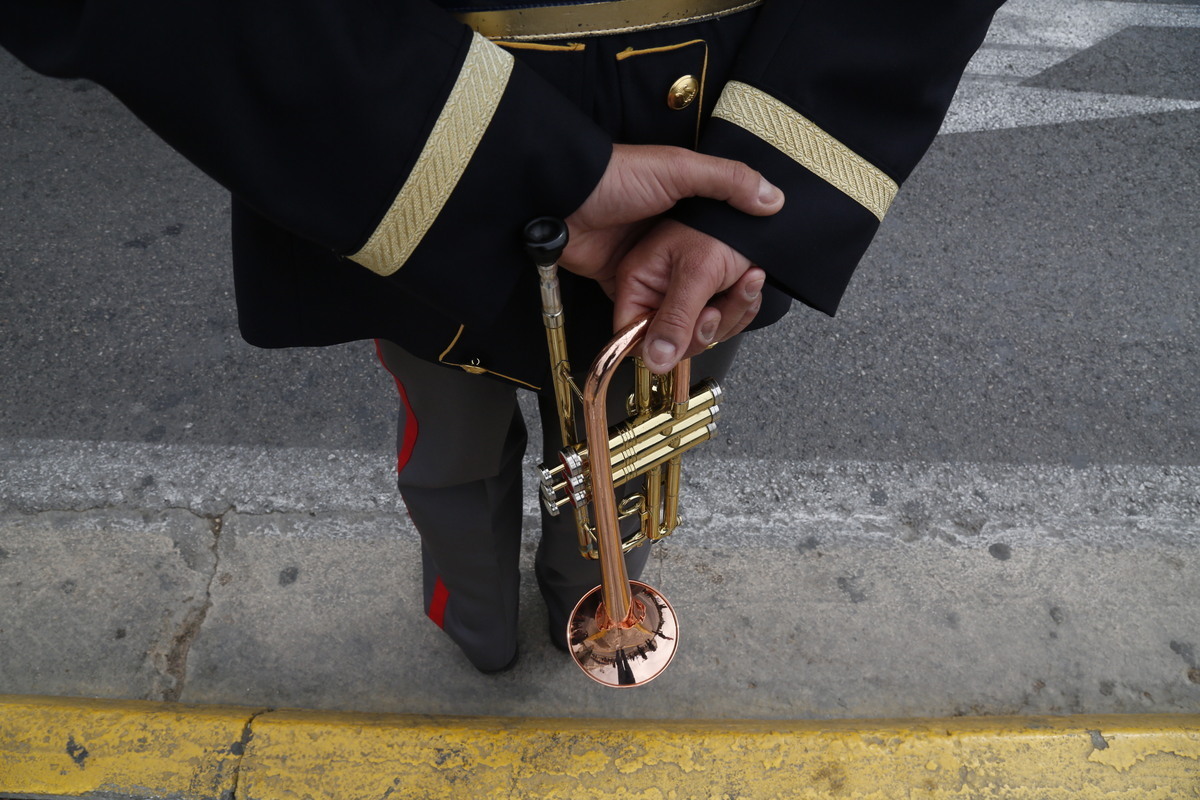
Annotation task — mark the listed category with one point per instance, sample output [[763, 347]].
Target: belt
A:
[[597, 19]]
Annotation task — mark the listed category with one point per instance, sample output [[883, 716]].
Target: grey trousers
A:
[[461, 440]]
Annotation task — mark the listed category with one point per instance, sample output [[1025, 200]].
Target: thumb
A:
[[690, 174]]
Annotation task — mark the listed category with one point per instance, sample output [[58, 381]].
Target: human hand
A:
[[641, 182], [700, 290]]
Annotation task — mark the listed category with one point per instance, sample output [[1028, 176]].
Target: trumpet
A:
[[622, 633]]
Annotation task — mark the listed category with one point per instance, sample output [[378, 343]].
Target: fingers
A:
[[730, 312], [643, 181], [676, 272], [708, 330], [699, 289], [696, 175], [640, 183]]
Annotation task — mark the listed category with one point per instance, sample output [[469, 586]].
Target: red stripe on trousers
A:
[[441, 595], [410, 419], [437, 606]]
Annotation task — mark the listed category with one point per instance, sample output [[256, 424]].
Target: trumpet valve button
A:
[[572, 462], [549, 500], [577, 490]]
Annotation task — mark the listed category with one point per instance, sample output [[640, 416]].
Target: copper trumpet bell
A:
[[620, 656]]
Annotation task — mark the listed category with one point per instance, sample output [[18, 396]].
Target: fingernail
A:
[[767, 193], [753, 289], [661, 352], [708, 331]]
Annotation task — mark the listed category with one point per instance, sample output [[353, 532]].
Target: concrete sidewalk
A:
[[805, 590], [250, 582]]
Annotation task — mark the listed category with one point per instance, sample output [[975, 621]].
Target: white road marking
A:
[[1030, 36], [986, 107]]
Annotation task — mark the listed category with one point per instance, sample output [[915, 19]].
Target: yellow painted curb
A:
[[53, 747], [68, 747]]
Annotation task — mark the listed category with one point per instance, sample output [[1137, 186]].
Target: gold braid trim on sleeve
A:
[[456, 134], [799, 138]]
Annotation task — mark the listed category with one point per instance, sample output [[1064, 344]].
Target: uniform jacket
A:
[[382, 157]]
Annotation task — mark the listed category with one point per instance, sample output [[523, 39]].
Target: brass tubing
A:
[[662, 447], [627, 437], [627, 434], [642, 387], [652, 508], [670, 513], [651, 458], [636, 465], [556, 343]]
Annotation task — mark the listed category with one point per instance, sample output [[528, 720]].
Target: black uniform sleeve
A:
[[383, 130], [835, 103]]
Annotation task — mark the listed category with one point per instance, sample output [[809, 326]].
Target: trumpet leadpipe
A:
[[545, 240]]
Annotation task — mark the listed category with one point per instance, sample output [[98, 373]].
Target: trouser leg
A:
[[461, 440], [563, 575]]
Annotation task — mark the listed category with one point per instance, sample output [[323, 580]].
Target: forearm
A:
[[835, 103], [381, 131]]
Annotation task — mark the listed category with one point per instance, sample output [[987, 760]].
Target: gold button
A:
[[683, 92]]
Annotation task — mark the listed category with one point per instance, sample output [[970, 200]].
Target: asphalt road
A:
[[1032, 297]]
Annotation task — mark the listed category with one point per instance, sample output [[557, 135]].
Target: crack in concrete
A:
[[238, 749], [174, 664]]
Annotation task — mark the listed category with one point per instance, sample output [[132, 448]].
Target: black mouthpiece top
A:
[[545, 240]]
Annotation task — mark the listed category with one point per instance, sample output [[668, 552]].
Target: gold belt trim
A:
[[443, 160], [796, 136], [597, 19]]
